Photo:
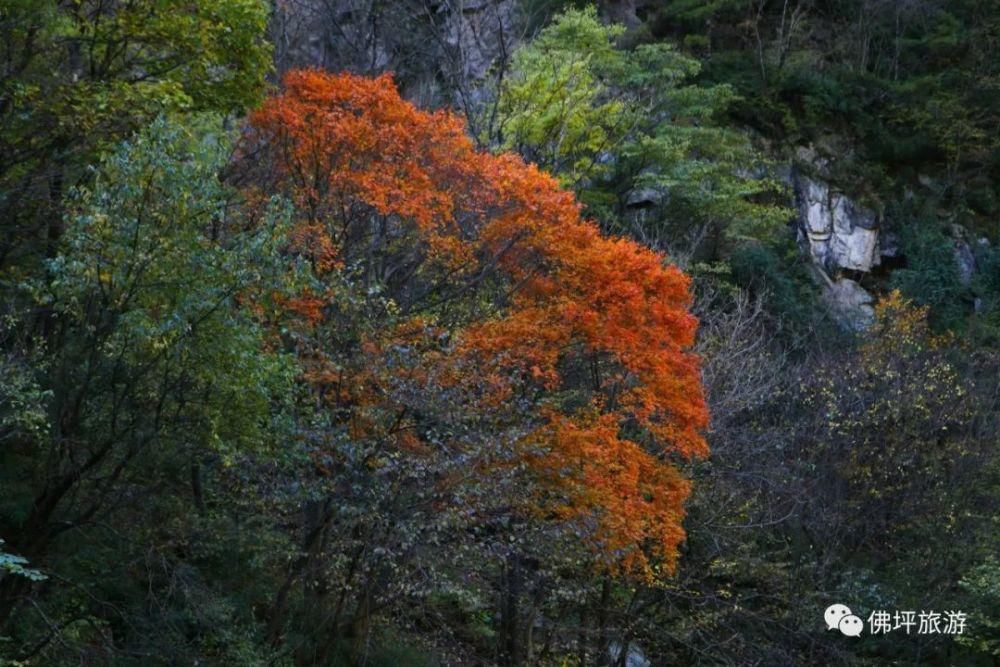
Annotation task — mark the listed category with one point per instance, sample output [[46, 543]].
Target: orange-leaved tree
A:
[[480, 278]]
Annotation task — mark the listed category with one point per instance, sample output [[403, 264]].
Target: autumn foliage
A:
[[491, 277]]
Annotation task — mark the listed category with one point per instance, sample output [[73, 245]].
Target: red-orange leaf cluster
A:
[[593, 332]]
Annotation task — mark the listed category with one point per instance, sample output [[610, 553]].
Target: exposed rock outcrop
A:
[[844, 238], [849, 304], [437, 50], [840, 233]]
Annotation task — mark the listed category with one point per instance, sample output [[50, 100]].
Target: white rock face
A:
[[840, 233], [850, 304]]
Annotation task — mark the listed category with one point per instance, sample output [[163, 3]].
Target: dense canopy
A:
[[536, 303]]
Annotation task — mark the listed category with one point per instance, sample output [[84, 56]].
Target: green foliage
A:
[[931, 277], [555, 107], [152, 274], [83, 75], [174, 489], [17, 566], [778, 276], [612, 122], [22, 401], [908, 89], [986, 292], [154, 360], [983, 584], [388, 649]]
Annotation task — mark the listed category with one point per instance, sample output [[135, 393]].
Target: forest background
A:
[[508, 332]]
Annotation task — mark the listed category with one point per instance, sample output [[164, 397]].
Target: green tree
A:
[[79, 76], [641, 144], [150, 362], [983, 585]]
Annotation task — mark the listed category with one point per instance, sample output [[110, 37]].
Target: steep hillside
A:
[[499, 332]]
